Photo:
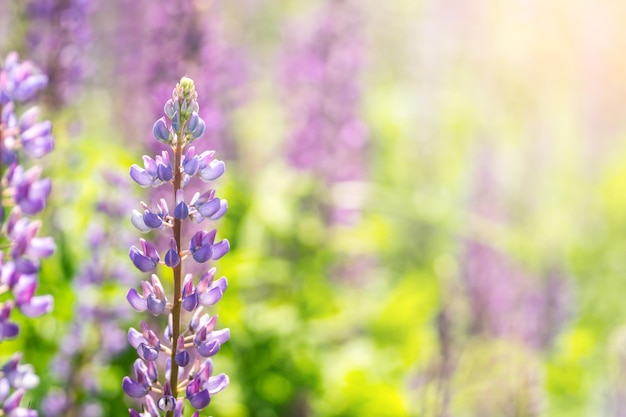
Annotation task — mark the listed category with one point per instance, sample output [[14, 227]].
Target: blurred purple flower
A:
[[506, 301], [59, 36], [320, 75]]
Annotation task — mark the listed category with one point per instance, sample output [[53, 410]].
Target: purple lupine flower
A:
[[320, 73], [58, 37], [186, 349], [27, 194]]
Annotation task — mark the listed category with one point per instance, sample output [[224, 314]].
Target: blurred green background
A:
[[496, 162]]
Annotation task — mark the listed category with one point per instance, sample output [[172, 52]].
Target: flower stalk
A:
[[188, 348]]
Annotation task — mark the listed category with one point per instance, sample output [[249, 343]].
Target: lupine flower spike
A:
[[187, 347], [24, 193]]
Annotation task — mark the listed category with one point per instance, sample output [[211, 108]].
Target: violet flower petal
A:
[[217, 383], [220, 249], [134, 389], [141, 176], [141, 261], [136, 301], [200, 400], [37, 306], [213, 171]]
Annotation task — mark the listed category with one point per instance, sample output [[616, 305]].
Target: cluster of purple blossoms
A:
[[24, 193], [58, 37], [188, 368]]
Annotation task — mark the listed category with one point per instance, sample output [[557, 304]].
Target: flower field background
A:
[[426, 201]]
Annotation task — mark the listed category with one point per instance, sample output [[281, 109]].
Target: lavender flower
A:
[[188, 349], [24, 193], [320, 74], [58, 36]]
